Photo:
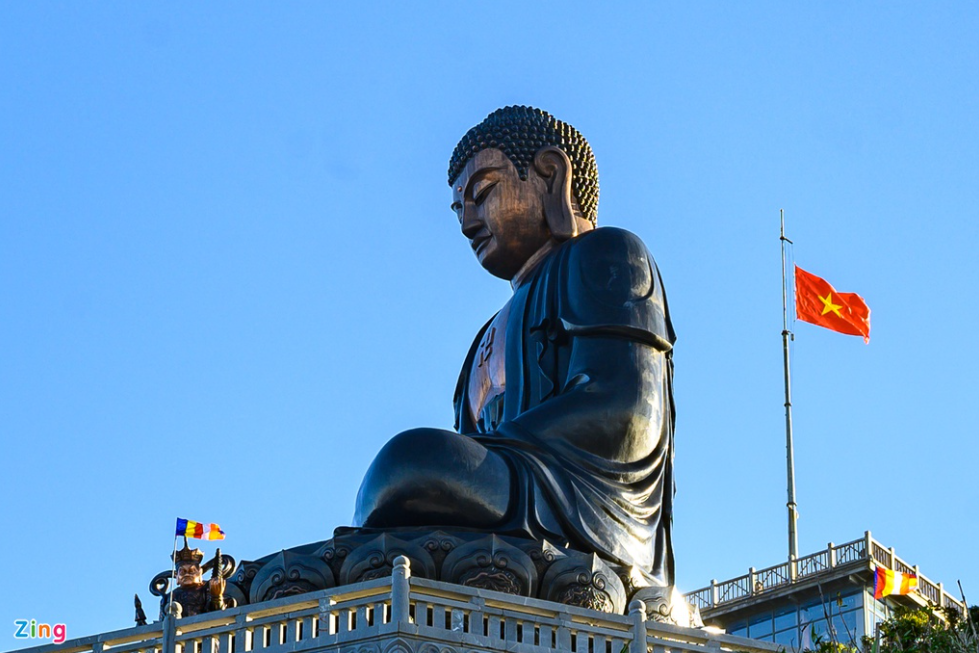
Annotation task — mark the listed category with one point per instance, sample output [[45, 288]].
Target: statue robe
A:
[[194, 600], [587, 415]]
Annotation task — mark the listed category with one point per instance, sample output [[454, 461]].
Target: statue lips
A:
[[479, 240]]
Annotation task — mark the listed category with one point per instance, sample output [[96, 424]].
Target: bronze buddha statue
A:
[[564, 407]]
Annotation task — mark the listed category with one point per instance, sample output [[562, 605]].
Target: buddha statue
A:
[[564, 406]]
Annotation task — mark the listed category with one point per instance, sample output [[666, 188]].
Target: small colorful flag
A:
[[887, 582], [818, 303], [198, 530]]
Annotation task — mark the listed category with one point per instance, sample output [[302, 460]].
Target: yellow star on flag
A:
[[828, 304]]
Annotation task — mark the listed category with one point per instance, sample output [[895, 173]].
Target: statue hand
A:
[[217, 586]]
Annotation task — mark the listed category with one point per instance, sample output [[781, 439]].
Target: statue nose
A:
[[471, 224]]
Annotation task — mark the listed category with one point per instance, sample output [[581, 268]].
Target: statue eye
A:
[[481, 191]]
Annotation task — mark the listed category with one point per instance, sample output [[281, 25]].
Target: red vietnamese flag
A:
[[818, 303]]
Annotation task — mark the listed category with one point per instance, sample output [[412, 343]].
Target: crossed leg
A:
[[431, 477]]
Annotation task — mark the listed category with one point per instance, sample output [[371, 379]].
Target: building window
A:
[[837, 618], [786, 618], [788, 638], [760, 626], [739, 629]]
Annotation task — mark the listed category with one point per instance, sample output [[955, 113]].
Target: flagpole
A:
[[789, 449], [173, 568], [169, 643]]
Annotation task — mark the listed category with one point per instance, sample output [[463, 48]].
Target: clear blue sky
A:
[[229, 271]]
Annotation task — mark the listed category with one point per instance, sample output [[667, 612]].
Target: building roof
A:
[[854, 561]]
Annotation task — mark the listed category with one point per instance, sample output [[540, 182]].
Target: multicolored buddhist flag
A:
[[887, 582], [198, 530], [818, 303]]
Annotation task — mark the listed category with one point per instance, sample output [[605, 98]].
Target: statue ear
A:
[[554, 167]]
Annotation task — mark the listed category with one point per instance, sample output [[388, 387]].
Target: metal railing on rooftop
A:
[[785, 574]]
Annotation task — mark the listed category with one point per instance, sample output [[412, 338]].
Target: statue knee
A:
[[411, 454], [402, 468], [423, 475]]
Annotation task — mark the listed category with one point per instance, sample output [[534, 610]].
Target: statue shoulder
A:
[[613, 265], [613, 284]]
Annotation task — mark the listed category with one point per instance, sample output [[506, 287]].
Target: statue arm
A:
[[613, 287], [614, 399]]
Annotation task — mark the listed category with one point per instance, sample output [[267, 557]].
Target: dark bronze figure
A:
[[140, 615], [193, 594], [564, 407]]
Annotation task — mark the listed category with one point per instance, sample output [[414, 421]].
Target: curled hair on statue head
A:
[[520, 132]]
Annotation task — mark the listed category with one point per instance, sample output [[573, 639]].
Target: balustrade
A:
[[764, 580], [451, 616]]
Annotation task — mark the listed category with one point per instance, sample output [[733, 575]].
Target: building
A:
[[828, 594]]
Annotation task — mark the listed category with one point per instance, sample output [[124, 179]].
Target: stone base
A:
[[513, 565]]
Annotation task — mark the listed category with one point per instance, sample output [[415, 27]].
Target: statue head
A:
[[520, 179], [188, 564]]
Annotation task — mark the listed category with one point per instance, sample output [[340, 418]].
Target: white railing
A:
[[761, 581], [368, 614], [773, 577]]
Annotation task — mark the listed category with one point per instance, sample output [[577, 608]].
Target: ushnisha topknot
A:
[[519, 132]]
